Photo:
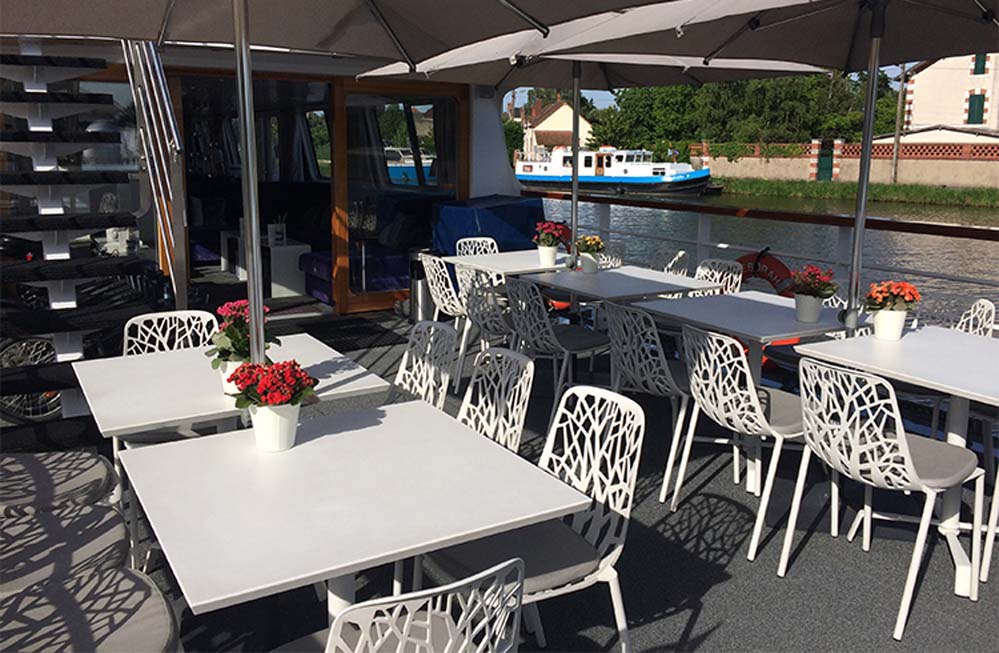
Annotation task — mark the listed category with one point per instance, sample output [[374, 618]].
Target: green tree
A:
[[392, 125], [513, 132]]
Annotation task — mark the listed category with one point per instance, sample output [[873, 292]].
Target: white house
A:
[[549, 127], [957, 92]]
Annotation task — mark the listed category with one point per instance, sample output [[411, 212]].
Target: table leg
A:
[[950, 502], [753, 450], [339, 594]]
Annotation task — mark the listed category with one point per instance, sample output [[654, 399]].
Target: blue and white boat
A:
[[612, 168]]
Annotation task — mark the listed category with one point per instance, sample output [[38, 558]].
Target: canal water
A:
[[944, 299]]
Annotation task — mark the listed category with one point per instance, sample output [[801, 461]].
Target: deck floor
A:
[[686, 581]]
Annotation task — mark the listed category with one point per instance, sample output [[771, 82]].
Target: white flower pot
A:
[[888, 325], [225, 371], [547, 255], [807, 308], [589, 263], [274, 426]]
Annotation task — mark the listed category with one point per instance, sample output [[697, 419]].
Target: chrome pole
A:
[[574, 210], [248, 173], [860, 216]]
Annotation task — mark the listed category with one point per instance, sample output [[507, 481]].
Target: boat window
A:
[[620, 158], [567, 161], [608, 161], [588, 162], [319, 131], [630, 158]]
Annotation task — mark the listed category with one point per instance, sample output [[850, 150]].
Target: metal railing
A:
[[159, 136]]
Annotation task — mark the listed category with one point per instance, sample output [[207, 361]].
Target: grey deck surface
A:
[[686, 581]]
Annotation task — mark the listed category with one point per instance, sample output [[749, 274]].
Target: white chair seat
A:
[[68, 541], [575, 338], [554, 555], [30, 482], [782, 410], [940, 465], [119, 610]]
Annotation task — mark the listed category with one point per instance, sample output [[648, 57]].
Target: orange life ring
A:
[[769, 268]]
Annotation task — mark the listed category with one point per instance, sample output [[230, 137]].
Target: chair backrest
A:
[[496, 399], [441, 289], [638, 361], [594, 444], [425, 368], [669, 260], [979, 319], [717, 270], [852, 422], [483, 305], [612, 256], [530, 317], [168, 331], [479, 614], [721, 382], [476, 245]]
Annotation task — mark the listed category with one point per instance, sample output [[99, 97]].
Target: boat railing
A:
[[707, 246]]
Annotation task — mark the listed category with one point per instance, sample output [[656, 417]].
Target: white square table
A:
[[356, 491], [146, 392], [952, 362], [513, 263], [615, 284]]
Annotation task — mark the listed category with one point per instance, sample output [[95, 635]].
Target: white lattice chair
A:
[[717, 270], [496, 399], [487, 310], [478, 614], [473, 246], [612, 256], [594, 444], [447, 301], [853, 425], [425, 368], [639, 364], [540, 338], [990, 537], [979, 319], [667, 259], [722, 386], [168, 331]]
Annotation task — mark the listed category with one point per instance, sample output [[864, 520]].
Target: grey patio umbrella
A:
[[486, 63], [410, 30], [846, 34]]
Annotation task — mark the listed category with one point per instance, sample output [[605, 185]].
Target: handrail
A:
[[878, 224]]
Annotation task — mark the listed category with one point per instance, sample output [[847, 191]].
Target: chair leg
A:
[[564, 376], [437, 314], [768, 485], [417, 573], [462, 350], [133, 529], [989, 443], [674, 445], [792, 521], [990, 537], [686, 456], [834, 503], [976, 536], [320, 590], [398, 576], [119, 473], [917, 558], [532, 621], [868, 516], [855, 526], [620, 618], [736, 458]]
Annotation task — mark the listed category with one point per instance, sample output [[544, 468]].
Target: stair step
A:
[[62, 177], [35, 222], [60, 97], [79, 268], [55, 62], [57, 435], [37, 378], [24, 136], [20, 324]]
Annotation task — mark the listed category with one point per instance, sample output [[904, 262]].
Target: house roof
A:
[[978, 131], [546, 113], [552, 137]]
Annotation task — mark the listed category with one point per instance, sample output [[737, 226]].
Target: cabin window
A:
[[630, 158], [567, 161], [619, 158], [608, 161], [980, 60], [976, 109], [588, 162]]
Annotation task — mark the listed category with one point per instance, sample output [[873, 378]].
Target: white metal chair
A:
[[979, 319], [542, 339], [425, 368], [496, 399], [49, 480], [639, 364], [480, 613], [612, 256], [168, 331], [723, 389], [447, 301], [473, 246], [669, 260], [717, 270], [853, 425], [594, 444], [990, 537], [487, 310]]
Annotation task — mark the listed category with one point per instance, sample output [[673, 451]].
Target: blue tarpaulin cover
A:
[[509, 219]]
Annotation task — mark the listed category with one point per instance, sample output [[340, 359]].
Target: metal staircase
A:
[[63, 298]]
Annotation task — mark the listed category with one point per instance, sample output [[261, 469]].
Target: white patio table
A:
[[616, 284], [757, 319], [952, 362], [514, 263], [356, 491], [146, 392]]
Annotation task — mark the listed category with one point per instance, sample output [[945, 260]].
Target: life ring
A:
[[769, 268]]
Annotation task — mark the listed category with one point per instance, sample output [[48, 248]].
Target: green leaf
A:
[[216, 363]]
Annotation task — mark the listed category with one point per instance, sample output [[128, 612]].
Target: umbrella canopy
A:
[[394, 29]]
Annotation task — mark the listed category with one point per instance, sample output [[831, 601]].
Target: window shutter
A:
[[976, 109]]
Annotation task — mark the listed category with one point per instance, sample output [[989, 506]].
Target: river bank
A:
[[902, 193]]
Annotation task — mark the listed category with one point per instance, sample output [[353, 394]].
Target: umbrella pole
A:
[[574, 211], [860, 216], [248, 174]]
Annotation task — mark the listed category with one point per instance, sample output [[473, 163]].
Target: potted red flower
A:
[[811, 286], [548, 236], [231, 343], [274, 394], [889, 301]]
